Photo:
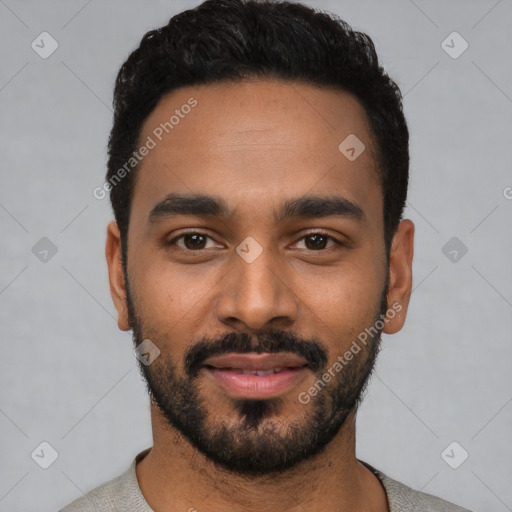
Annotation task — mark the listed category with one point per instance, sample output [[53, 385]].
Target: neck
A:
[[175, 476]]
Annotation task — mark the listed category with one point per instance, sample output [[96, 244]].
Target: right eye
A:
[[191, 241]]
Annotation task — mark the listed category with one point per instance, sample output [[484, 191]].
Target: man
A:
[[258, 173]]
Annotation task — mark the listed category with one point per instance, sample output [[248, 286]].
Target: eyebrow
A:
[[206, 205]]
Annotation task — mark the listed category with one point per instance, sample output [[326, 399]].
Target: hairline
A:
[[265, 76]]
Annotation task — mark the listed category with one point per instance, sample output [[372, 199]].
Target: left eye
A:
[[318, 241], [198, 241]]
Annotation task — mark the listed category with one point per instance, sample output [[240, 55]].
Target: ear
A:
[[400, 276], [116, 276]]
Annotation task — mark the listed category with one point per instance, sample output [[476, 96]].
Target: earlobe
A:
[[400, 276], [116, 275]]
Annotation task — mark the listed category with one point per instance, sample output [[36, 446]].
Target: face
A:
[[255, 258]]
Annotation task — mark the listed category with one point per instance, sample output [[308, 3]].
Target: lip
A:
[[226, 372], [252, 361]]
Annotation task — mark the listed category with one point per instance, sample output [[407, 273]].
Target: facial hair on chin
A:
[[253, 441]]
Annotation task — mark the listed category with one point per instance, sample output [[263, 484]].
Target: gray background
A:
[[69, 376]]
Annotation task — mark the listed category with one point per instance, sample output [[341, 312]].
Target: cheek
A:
[[348, 302], [171, 297]]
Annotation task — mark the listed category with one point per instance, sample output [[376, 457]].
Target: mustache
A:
[[312, 351]]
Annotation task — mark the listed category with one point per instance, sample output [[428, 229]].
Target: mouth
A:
[[256, 376]]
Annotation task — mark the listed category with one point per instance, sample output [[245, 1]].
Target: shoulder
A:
[[402, 498], [99, 499], [116, 495]]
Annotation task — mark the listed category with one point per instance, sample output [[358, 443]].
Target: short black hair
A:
[[230, 40]]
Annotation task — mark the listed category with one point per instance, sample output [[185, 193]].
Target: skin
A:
[[256, 144]]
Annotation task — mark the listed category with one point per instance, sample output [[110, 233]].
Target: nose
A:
[[256, 296]]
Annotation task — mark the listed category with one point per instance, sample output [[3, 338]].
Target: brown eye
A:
[[194, 241], [318, 241], [191, 241], [314, 242]]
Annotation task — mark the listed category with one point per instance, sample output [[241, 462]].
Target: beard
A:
[[253, 439]]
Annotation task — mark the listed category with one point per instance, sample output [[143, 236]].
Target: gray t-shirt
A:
[[123, 494]]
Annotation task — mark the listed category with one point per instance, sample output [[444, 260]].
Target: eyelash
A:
[[187, 233]]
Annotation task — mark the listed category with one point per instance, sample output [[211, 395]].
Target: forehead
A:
[[254, 143]]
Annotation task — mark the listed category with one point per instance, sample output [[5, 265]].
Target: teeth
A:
[[265, 372], [262, 372]]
